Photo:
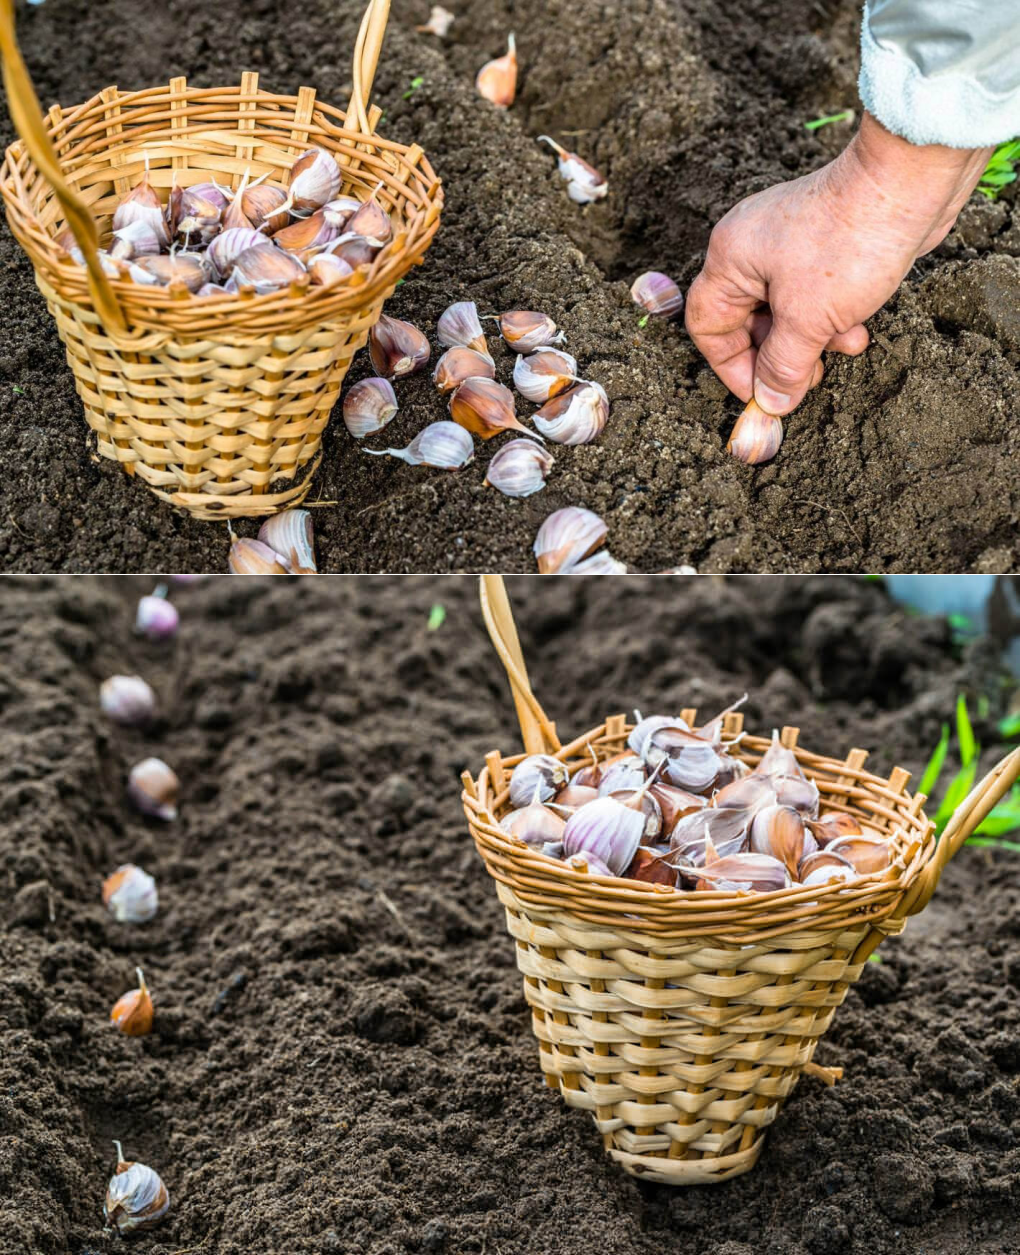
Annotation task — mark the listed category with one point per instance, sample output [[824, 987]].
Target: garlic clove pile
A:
[[577, 416], [444, 445], [129, 894], [132, 1012], [584, 182], [519, 468], [756, 437], [136, 1198], [289, 534], [566, 537], [368, 406], [127, 699], [497, 80], [153, 787], [397, 348]]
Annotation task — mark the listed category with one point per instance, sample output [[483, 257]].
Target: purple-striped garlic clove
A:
[[657, 293], [460, 327], [368, 406], [538, 772], [156, 617], [519, 468], [544, 374], [566, 537], [290, 535], [577, 416], [397, 348], [443, 445]]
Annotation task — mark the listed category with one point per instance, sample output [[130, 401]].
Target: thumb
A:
[[785, 367]]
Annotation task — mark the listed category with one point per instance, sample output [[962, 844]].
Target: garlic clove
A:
[[577, 416], [266, 269], [460, 327], [142, 204], [497, 80], [315, 179], [230, 244], [129, 894], [65, 240], [641, 799], [194, 218], [797, 792], [584, 182], [289, 534], [458, 364], [153, 787], [675, 804], [132, 1012], [644, 727], [544, 374], [485, 408], [527, 329], [572, 795], [828, 875], [253, 557], [183, 268], [136, 1198], [601, 563], [651, 866], [778, 760], [156, 617], [368, 406], [588, 864], [263, 207], [371, 221], [397, 348], [756, 437], [822, 866], [590, 777], [781, 832], [443, 445], [137, 239], [566, 537], [865, 854], [834, 824], [534, 824], [752, 792], [327, 271], [340, 210], [214, 289], [539, 777], [657, 293], [727, 827], [127, 699], [311, 232], [356, 250], [519, 468], [759, 873], [439, 23], [626, 773], [606, 830]]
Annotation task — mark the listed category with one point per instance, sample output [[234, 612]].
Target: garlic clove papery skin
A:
[[132, 1012], [519, 468], [626, 773], [314, 180], [183, 268], [156, 618], [756, 437], [534, 824], [822, 866], [751, 792], [527, 329], [485, 408], [371, 221], [497, 79], [537, 778], [726, 827], [657, 293], [584, 183], [566, 537], [575, 417], [368, 406], [644, 728], [137, 239], [142, 204], [544, 374], [606, 830], [444, 445], [650, 866], [225, 249], [263, 207], [129, 894], [797, 792], [266, 269], [153, 787], [127, 699], [136, 1198], [439, 23], [289, 533], [758, 873], [327, 271], [460, 327], [341, 210], [253, 557], [778, 760], [397, 348], [675, 804], [601, 563], [572, 795], [458, 364]]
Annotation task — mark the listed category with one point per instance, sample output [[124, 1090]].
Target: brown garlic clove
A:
[[497, 80], [527, 329], [356, 250], [675, 804], [459, 364], [327, 271], [153, 786], [657, 293], [132, 1012], [758, 873], [566, 537], [371, 221], [252, 557], [782, 832], [263, 205], [485, 408], [778, 760], [752, 792], [136, 1198], [266, 269], [865, 854], [575, 417], [756, 437], [311, 232], [289, 534], [726, 827], [545, 374], [651, 866], [339, 211], [443, 445], [834, 824], [183, 268], [368, 406], [397, 348], [823, 867]]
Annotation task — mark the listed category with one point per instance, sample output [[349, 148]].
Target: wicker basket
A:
[[218, 404], [682, 1021]]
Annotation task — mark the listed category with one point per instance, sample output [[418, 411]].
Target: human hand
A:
[[797, 269]]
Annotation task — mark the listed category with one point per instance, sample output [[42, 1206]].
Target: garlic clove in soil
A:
[[497, 80], [657, 293], [601, 563], [136, 1198], [153, 787], [460, 327], [539, 777], [519, 468], [225, 249], [397, 348], [443, 445], [485, 408], [314, 180], [129, 894], [458, 364], [439, 23], [142, 204], [566, 537], [253, 557], [577, 416], [132, 1012], [290, 535], [368, 406], [266, 269], [527, 329], [156, 617], [127, 699], [544, 374], [584, 182], [756, 437]]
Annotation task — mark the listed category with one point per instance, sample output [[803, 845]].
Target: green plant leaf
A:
[[933, 770], [1010, 726], [437, 617], [847, 115], [959, 787], [874, 957], [995, 843], [964, 732]]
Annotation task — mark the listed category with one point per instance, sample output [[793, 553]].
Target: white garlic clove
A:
[[602, 563], [137, 239], [657, 293], [439, 23], [266, 269], [756, 437], [311, 232], [252, 557], [526, 330], [534, 824], [519, 468], [234, 216], [588, 864], [127, 699], [371, 221], [129, 894], [368, 406], [779, 760], [153, 787], [460, 327], [444, 445], [136, 1198], [183, 268], [823, 867], [142, 204], [327, 271], [544, 374], [485, 408], [584, 182], [314, 180], [458, 364], [566, 537], [341, 210], [195, 218], [225, 249], [156, 617], [289, 534], [397, 348], [606, 830], [577, 416], [625, 773], [497, 80], [356, 250], [537, 778], [263, 207]]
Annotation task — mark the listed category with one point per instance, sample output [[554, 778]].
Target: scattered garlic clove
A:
[[127, 699], [371, 221], [539, 777], [289, 534], [756, 437], [584, 182], [397, 348], [544, 374], [497, 80], [156, 618], [657, 293], [137, 239], [439, 23], [526, 330], [341, 210], [266, 269], [675, 804], [444, 445], [183, 268], [153, 787], [485, 408], [327, 271], [314, 180], [263, 207], [129, 894], [601, 563], [368, 406], [311, 232], [230, 244], [519, 468], [460, 327], [252, 557], [136, 1198], [566, 537], [577, 416], [132, 1012], [142, 204], [458, 364]]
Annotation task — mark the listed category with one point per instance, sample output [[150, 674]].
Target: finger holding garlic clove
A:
[[657, 293], [575, 417], [368, 406], [756, 437], [497, 80], [584, 183], [519, 468], [136, 1197], [567, 536], [153, 787], [128, 700], [397, 348], [460, 364], [129, 894], [444, 445], [289, 534], [132, 1012], [485, 408]]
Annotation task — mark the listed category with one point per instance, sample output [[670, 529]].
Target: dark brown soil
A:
[[902, 460], [342, 1059]]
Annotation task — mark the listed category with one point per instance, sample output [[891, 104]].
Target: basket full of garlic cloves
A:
[[690, 904], [213, 258]]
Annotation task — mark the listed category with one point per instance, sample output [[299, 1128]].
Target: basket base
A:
[[668, 1171]]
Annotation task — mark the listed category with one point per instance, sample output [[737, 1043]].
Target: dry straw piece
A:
[[219, 404], [683, 1021]]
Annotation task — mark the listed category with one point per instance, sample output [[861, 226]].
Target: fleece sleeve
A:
[[943, 71]]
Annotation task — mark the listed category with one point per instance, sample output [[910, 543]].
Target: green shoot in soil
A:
[[643, 320], [18, 390], [415, 84], [846, 116], [437, 617], [1010, 726], [1001, 169]]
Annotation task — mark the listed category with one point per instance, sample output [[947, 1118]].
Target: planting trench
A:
[[902, 460], [342, 1059]]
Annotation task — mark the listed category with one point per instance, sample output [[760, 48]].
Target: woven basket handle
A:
[[28, 122], [366, 58], [538, 731]]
